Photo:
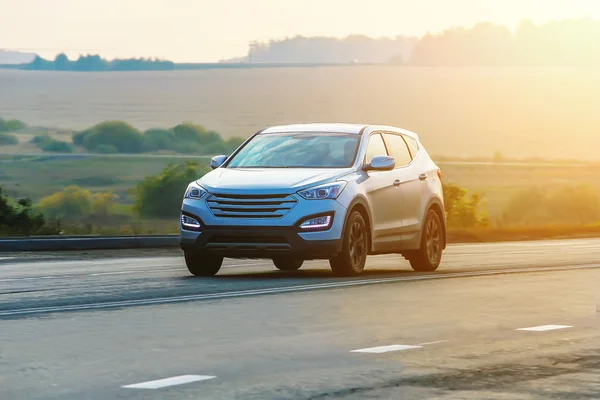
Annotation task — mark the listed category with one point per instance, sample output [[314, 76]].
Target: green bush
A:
[[74, 203], [160, 196], [8, 139], [185, 138], [184, 147], [463, 211], [158, 139], [56, 146], [19, 219], [11, 125], [188, 132], [38, 139], [106, 149], [120, 135], [48, 144]]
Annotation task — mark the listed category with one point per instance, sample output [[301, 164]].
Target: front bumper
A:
[[264, 237], [259, 242]]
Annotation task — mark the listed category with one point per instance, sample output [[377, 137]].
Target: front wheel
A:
[[287, 264], [351, 261], [428, 257], [200, 265]]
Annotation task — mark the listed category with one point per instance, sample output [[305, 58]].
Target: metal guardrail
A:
[[90, 242]]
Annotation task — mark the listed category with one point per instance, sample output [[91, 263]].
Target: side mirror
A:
[[217, 161], [381, 163]]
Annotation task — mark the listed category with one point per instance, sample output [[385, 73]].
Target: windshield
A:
[[298, 150]]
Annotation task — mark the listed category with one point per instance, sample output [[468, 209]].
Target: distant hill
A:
[[15, 57]]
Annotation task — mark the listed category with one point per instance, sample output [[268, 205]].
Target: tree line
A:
[[565, 42], [95, 63]]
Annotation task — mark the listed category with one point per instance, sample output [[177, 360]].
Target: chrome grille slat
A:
[[250, 206]]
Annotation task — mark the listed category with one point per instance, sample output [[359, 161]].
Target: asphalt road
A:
[[127, 325]]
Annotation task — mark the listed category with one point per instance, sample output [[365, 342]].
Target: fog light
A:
[[190, 223], [317, 224]]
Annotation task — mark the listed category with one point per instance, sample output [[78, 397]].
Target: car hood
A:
[[267, 180]]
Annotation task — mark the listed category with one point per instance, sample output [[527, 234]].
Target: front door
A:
[[406, 176], [385, 197]]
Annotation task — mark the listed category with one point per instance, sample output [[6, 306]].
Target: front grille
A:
[[250, 206]]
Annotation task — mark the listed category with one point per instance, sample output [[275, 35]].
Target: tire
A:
[[427, 258], [201, 265], [351, 261], [287, 264]]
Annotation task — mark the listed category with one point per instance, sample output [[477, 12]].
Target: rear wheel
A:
[[287, 264], [351, 261], [202, 265], [428, 257]]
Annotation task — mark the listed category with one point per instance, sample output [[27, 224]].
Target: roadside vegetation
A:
[[18, 218], [100, 204]]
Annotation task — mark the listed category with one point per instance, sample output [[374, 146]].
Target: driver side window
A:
[[376, 147]]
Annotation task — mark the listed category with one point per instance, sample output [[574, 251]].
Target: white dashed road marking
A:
[[544, 328], [428, 343], [385, 349], [176, 380]]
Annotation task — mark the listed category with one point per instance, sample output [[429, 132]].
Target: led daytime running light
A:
[[317, 224]]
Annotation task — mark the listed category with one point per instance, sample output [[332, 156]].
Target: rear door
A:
[[407, 179], [385, 198]]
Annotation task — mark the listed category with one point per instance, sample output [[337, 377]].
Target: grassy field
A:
[[520, 112]]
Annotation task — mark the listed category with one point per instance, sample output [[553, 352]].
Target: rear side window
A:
[[413, 146], [398, 149], [375, 148]]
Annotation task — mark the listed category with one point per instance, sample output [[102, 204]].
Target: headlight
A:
[[195, 192], [328, 191]]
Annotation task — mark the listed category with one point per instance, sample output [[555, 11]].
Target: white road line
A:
[[428, 343], [114, 273], [544, 328], [386, 349], [288, 289], [162, 383]]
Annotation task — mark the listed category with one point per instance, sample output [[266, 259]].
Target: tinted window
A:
[[398, 149], [376, 147], [297, 150], [413, 146]]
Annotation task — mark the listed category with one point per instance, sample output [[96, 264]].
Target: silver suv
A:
[[317, 191]]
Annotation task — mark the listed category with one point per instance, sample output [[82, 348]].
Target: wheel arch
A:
[[360, 204]]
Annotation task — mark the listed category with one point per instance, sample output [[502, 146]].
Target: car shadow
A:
[[312, 274]]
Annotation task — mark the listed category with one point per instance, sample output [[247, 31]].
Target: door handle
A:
[[423, 177], [397, 182]]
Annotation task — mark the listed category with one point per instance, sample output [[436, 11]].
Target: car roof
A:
[[326, 127], [337, 128]]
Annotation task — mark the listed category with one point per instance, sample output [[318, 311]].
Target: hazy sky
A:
[[208, 30]]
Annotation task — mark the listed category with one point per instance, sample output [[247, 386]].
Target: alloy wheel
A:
[[358, 244]]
